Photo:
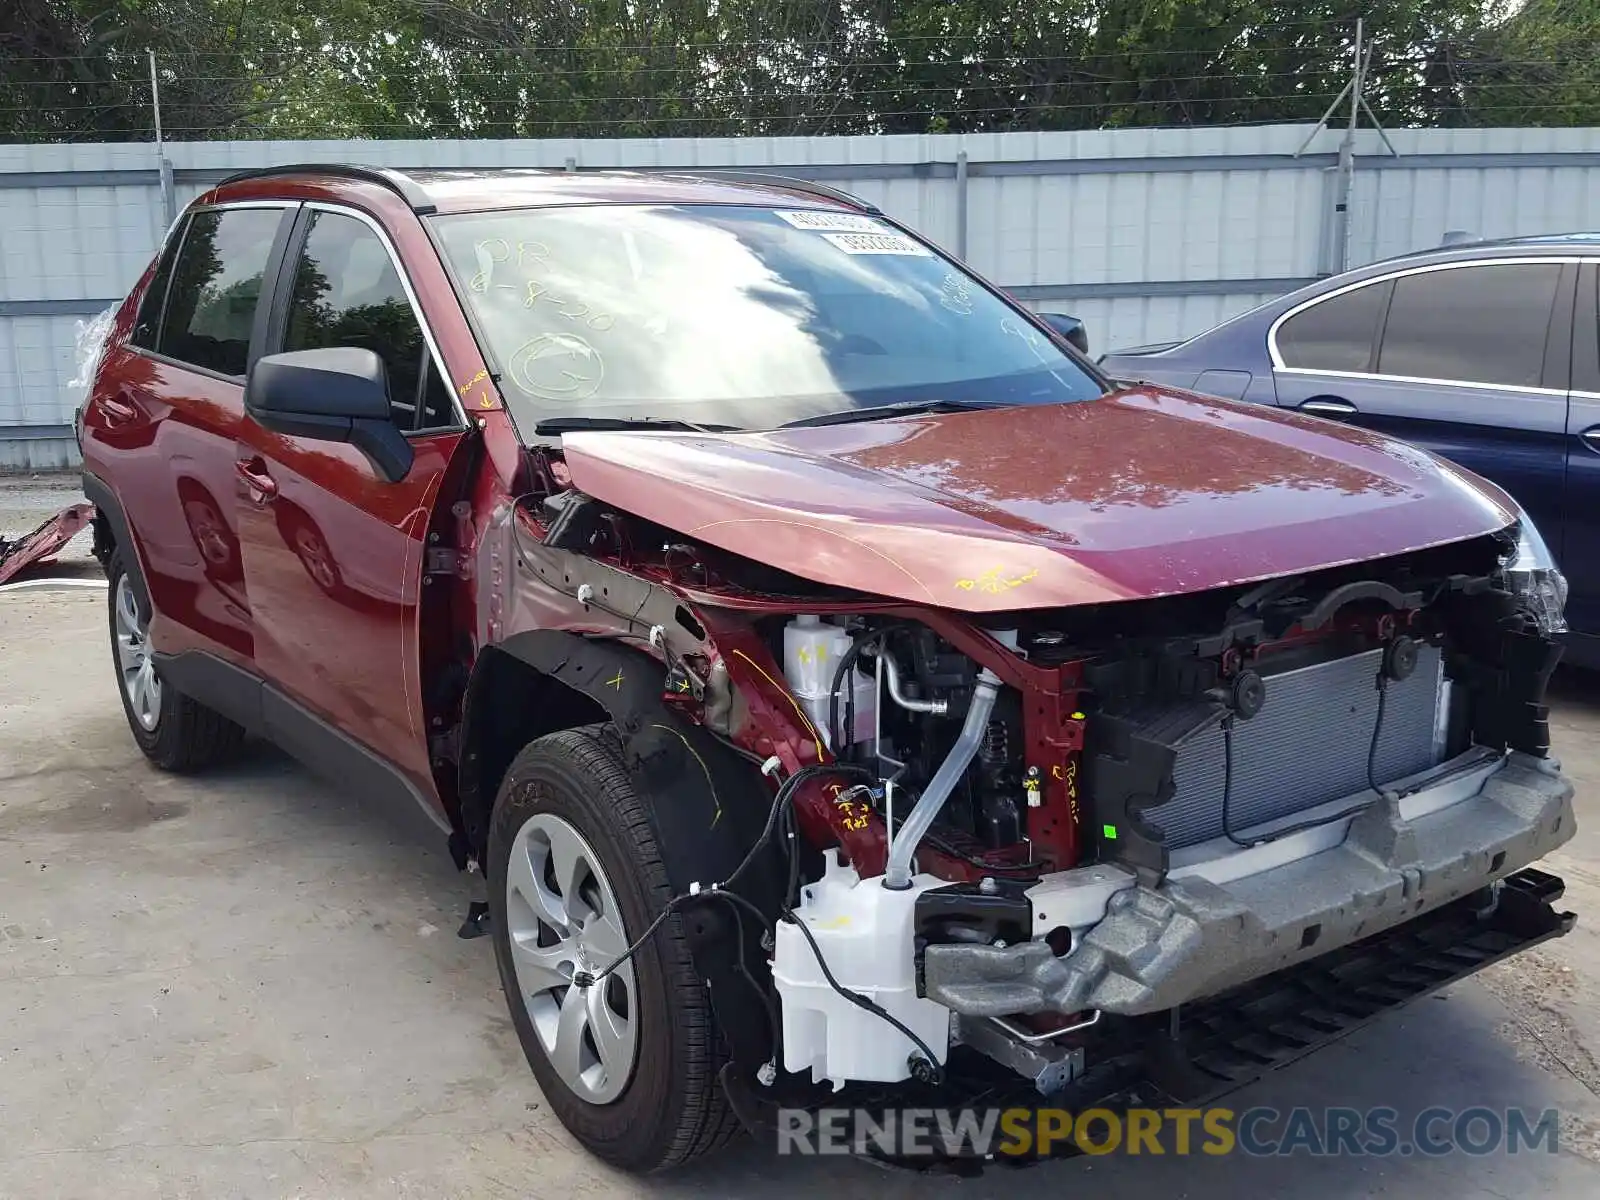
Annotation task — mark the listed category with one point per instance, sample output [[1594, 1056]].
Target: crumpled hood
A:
[[1142, 493]]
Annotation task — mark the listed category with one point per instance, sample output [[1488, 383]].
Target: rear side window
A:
[[347, 292], [147, 328], [1471, 324], [216, 285], [1336, 334]]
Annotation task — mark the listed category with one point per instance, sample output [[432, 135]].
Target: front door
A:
[[333, 552]]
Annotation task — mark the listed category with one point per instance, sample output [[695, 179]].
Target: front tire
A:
[[175, 732], [575, 869]]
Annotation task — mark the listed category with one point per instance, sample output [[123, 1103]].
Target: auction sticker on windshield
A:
[[837, 221], [877, 243]]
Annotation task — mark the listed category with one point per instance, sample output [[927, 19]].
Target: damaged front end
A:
[[1159, 843]]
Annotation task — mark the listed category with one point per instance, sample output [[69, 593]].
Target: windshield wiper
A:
[[558, 425], [904, 408]]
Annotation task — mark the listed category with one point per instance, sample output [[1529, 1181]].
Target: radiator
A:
[[1308, 745]]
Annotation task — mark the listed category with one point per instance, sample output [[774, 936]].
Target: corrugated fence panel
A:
[[1148, 235], [1491, 183]]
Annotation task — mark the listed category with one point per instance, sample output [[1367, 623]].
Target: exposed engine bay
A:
[[1296, 706], [1032, 840]]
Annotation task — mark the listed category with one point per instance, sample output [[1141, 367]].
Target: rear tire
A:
[[567, 797], [175, 732]]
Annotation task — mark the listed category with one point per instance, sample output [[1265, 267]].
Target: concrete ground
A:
[[244, 985]]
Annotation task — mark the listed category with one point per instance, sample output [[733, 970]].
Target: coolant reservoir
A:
[[865, 933], [811, 652]]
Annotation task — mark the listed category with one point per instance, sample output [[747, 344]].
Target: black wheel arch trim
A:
[[708, 787], [99, 493]]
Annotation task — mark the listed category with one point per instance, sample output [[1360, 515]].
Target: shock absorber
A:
[[999, 819]]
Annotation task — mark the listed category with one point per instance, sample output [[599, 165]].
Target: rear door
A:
[[1580, 548], [333, 552], [1469, 360], [166, 414]]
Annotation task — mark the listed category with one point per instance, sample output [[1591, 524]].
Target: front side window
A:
[[739, 316], [347, 292], [216, 285], [1475, 324], [1335, 334]]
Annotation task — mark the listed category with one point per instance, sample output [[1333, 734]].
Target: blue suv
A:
[[1487, 354]]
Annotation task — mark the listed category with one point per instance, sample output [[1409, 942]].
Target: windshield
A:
[[733, 316]]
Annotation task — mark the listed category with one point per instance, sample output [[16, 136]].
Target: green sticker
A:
[[1110, 831]]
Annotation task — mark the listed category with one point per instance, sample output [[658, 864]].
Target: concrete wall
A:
[[1148, 235]]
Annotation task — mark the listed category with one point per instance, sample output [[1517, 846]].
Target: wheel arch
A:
[[112, 532], [702, 794]]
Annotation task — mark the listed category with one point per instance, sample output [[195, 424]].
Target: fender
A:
[[105, 501]]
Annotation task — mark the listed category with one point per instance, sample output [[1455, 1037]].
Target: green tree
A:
[[609, 68]]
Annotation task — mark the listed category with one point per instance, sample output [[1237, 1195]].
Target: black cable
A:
[[844, 739], [586, 979], [780, 808], [1227, 783], [1035, 866], [764, 994], [792, 848], [779, 804], [1350, 810], [1377, 731], [854, 998], [846, 661]]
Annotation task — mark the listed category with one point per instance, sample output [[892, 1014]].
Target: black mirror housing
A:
[[339, 394], [1069, 329]]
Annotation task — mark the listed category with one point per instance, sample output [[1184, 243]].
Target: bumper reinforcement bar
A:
[[1220, 1044]]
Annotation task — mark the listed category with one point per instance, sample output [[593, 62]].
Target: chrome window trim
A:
[[220, 205], [1276, 357], [372, 223], [1456, 383]]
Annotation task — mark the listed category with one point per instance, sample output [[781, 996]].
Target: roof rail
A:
[[396, 181], [807, 186]]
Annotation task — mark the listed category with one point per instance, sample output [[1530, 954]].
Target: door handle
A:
[[1329, 408], [1591, 438], [254, 473], [118, 410]]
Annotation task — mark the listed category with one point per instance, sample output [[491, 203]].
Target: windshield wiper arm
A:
[[552, 426], [904, 408]]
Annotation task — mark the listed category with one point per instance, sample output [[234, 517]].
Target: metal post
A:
[[155, 99], [961, 205], [1347, 163], [169, 193]]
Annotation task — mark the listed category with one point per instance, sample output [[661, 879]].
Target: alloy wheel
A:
[[140, 682], [562, 915]]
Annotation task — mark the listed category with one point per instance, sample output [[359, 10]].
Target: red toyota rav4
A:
[[838, 683]]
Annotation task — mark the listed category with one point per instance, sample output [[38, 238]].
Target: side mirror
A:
[[1069, 329], [335, 395]]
